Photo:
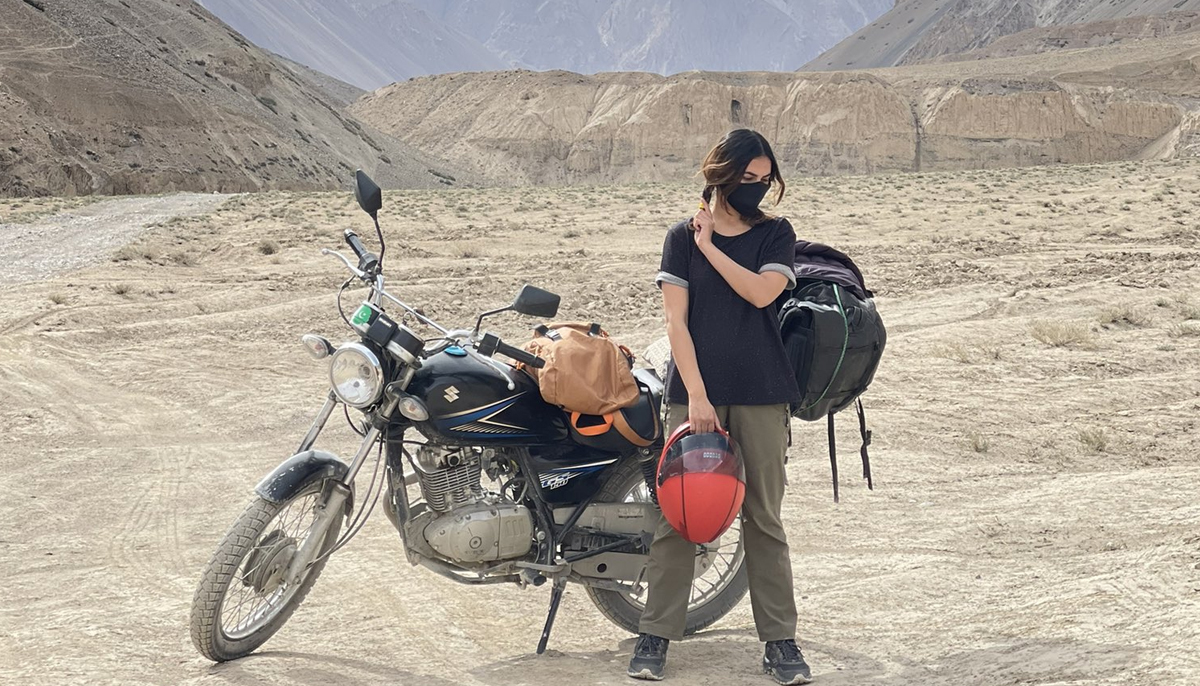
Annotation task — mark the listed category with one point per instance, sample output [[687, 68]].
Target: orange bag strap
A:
[[628, 354], [623, 428], [592, 431]]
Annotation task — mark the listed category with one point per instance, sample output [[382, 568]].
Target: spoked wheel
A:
[[243, 598], [720, 582]]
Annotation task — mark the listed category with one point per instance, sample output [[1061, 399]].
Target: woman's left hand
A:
[[703, 223]]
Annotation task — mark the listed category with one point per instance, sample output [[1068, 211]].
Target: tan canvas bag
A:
[[586, 371]]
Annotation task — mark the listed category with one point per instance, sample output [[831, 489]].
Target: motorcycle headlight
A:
[[356, 375]]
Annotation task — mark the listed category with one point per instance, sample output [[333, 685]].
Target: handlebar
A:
[[491, 344], [367, 260], [520, 355]]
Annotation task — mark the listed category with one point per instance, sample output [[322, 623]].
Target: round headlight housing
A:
[[356, 375]]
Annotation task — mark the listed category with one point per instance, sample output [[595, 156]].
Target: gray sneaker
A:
[[649, 658], [784, 661]]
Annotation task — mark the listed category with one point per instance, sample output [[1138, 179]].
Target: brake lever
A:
[[346, 261], [500, 369]]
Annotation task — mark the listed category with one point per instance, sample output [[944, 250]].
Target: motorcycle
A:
[[485, 482]]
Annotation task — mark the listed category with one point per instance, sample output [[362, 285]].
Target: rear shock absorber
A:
[[648, 461]]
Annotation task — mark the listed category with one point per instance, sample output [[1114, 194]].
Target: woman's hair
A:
[[724, 165]]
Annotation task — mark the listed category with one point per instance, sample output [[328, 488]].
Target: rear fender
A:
[[299, 471]]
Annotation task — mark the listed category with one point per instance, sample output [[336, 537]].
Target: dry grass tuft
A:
[[1095, 440], [58, 298], [123, 289], [1184, 330], [978, 442], [964, 353], [1124, 314], [268, 247], [1061, 334], [131, 253]]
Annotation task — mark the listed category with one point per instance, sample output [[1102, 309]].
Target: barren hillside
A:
[[143, 96], [1135, 101], [918, 30], [1076, 36]]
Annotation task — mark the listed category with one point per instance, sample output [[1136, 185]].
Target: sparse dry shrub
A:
[[956, 351], [1124, 314], [989, 351], [268, 247], [1061, 334], [58, 298], [1094, 439], [1184, 329], [978, 442], [184, 259], [127, 253], [123, 289]]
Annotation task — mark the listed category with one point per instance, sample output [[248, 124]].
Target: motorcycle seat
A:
[[636, 426]]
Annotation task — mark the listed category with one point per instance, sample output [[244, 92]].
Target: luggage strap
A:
[[594, 430], [833, 457], [623, 428], [837, 292], [866, 441], [547, 332], [613, 420], [862, 451]]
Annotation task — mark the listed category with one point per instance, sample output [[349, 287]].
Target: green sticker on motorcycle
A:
[[362, 316]]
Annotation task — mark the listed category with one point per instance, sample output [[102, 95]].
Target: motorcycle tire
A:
[[249, 536], [620, 609]]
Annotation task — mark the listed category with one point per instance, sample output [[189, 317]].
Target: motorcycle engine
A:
[[466, 524]]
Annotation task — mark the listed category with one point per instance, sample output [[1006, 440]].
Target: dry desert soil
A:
[[1035, 518]]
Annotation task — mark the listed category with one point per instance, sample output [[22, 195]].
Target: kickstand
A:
[[555, 599]]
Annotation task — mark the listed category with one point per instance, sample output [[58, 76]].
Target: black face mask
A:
[[746, 198]]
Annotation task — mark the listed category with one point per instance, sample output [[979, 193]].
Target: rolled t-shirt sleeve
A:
[[676, 257], [779, 253]]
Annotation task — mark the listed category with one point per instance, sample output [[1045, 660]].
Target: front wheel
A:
[[243, 599], [715, 592]]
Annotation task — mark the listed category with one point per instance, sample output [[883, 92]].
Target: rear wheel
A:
[[715, 591], [243, 598]]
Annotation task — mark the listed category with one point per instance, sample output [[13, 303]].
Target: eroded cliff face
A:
[[525, 127], [141, 96], [922, 30]]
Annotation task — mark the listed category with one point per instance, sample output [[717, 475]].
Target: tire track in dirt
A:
[[148, 542], [78, 238]]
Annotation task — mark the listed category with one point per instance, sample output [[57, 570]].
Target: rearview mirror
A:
[[535, 302], [368, 194]]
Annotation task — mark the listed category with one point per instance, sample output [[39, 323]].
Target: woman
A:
[[722, 272]]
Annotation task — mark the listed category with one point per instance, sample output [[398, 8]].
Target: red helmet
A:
[[701, 483]]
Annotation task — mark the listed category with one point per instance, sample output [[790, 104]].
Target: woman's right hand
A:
[[702, 225], [702, 416]]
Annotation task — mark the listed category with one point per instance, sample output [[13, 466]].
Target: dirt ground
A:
[[1035, 517]]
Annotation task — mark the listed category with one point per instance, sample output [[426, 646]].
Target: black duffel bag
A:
[[834, 338]]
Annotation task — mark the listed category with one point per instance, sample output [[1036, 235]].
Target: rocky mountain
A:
[[371, 43], [367, 43], [921, 30], [1137, 100], [146, 96]]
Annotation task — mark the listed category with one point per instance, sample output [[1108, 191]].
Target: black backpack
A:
[[834, 339]]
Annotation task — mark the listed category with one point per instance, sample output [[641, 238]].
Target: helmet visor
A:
[[702, 453]]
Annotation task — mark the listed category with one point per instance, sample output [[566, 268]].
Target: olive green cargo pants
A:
[[762, 433]]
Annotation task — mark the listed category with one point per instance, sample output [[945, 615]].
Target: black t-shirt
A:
[[738, 348]]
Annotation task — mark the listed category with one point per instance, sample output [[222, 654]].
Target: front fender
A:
[[298, 471]]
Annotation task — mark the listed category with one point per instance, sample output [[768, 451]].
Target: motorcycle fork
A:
[[318, 424], [330, 507]]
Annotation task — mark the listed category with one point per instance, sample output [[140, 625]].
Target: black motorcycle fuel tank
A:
[[476, 401]]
